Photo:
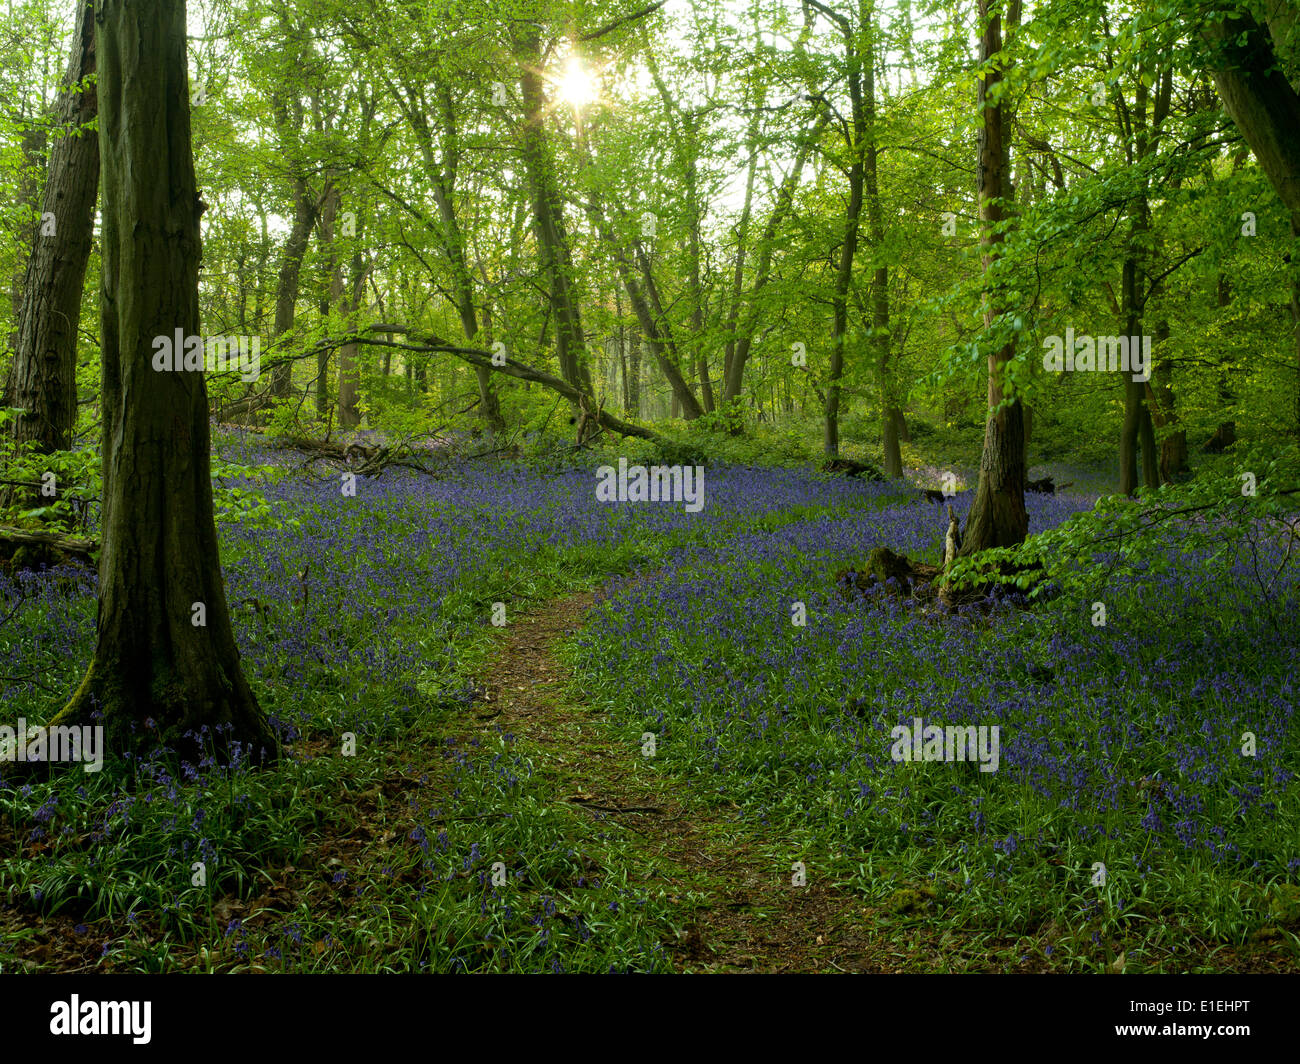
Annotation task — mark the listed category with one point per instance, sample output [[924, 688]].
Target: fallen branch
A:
[[18, 538], [486, 360]]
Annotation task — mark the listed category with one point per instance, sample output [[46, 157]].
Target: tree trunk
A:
[[1263, 105], [645, 305], [622, 353], [738, 349], [634, 372], [857, 145], [880, 334], [997, 516], [30, 184], [548, 214], [332, 293], [442, 178], [1164, 413], [286, 296], [1137, 428], [156, 674], [45, 363], [697, 290], [349, 370], [1295, 317]]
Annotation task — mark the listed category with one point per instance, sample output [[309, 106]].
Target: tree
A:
[[548, 212], [45, 364], [997, 517], [165, 659], [856, 137]]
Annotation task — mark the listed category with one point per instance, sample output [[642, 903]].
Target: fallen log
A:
[[498, 363], [22, 548], [851, 467]]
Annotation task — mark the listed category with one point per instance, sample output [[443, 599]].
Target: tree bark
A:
[[997, 516], [548, 214], [881, 339], [1164, 413], [286, 296], [857, 145], [1295, 318], [45, 363], [349, 369], [30, 185], [156, 675], [332, 292], [1145, 123], [1262, 103], [634, 372]]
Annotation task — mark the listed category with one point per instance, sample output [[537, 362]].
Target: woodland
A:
[[677, 486]]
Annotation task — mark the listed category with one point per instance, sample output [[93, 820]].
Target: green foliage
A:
[[1127, 543], [62, 502]]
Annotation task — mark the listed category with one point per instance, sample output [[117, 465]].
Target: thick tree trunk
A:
[[900, 425], [157, 674], [45, 363], [893, 464], [997, 516], [1262, 103]]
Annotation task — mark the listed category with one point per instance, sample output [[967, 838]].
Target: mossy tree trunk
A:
[[159, 559], [997, 516], [45, 362]]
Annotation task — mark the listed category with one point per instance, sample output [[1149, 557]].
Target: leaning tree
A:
[[45, 359], [164, 652]]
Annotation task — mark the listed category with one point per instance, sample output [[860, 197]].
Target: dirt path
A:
[[732, 887]]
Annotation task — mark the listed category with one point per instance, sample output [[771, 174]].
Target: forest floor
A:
[[731, 883], [458, 796]]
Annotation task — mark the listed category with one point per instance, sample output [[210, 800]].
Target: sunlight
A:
[[577, 85]]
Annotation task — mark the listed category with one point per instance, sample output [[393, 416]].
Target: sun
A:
[[577, 85]]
